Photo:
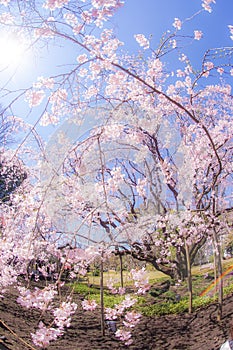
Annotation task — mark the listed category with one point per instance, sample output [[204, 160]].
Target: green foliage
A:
[[170, 295], [96, 272], [84, 289], [166, 303], [167, 308], [110, 300], [228, 289]]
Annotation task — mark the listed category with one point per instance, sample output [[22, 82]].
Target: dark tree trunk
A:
[[176, 268]]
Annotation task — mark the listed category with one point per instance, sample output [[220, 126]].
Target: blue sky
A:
[[152, 17], [149, 17], [156, 16]]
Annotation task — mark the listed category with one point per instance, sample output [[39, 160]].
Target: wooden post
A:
[[102, 295], [189, 279], [121, 271]]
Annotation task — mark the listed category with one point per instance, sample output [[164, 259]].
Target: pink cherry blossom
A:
[[198, 34], [49, 119], [220, 70], [114, 290], [141, 280], [63, 314], [44, 335], [231, 31], [6, 18], [4, 2], [89, 305], [142, 40], [121, 290], [91, 91], [44, 83], [82, 58], [206, 4], [124, 336], [53, 4], [180, 73], [83, 72], [111, 314], [177, 23], [34, 97], [173, 43], [39, 298], [183, 58], [208, 65], [44, 32], [71, 19], [107, 3], [141, 187], [128, 302], [132, 318], [77, 29]]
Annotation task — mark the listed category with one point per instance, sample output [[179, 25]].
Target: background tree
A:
[[12, 172]]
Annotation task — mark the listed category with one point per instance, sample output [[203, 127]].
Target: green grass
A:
[[150, 306], [84, 289], [168, 308], [110, 300], [153, 274], [115, 276]]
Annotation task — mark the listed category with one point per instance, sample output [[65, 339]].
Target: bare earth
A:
[[199, 330]]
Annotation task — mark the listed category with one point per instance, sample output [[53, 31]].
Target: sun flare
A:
[[12, 51]]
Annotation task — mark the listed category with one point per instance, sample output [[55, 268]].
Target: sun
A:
[[13, 47]]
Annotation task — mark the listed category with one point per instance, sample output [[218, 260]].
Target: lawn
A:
[[173, 300]]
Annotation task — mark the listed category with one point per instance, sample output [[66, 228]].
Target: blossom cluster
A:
[[63, 314], [89, 305], [39, 298], [177, 24], [206, 5], [97, 12], [44, 335], [6, 18], [44, 32], [131, 319], [231, 31], [113, 289], [113, 313], [75, 261], [141, 280], [198, 34], [4, 2], [54, 4], [141, 39]]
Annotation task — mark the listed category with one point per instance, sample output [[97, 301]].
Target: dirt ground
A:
[[199, 330]]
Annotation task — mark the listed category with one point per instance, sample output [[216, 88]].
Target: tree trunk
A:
[[189, 278], [176, 269], [102, 295], [218, 269], [121, 271]]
